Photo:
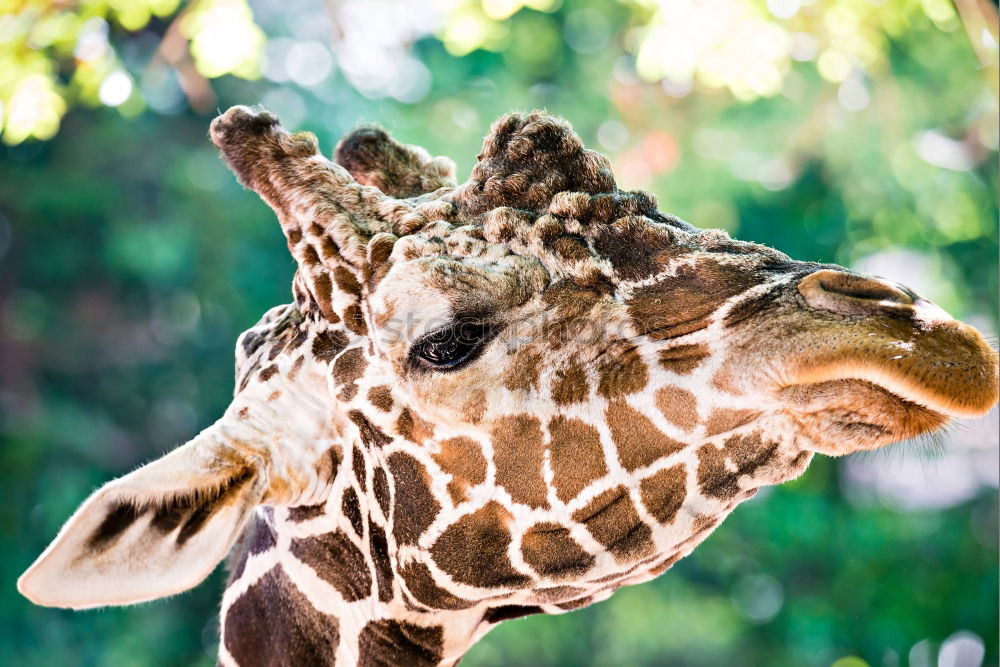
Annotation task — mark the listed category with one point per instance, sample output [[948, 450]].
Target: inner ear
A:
[[177, 518], [374, 158]]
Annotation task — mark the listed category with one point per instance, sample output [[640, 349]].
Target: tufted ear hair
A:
[[527, 159], [374, 158], [157, 531], [328, 218]]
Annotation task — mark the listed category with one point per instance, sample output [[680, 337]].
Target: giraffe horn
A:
[[374, 158], [327, 217], [300, 184], [527, 159]]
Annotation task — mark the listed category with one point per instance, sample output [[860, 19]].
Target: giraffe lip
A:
[[944, 366], [846, 414], [957, 399]]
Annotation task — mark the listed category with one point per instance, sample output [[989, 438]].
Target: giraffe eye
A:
[[451, 347]]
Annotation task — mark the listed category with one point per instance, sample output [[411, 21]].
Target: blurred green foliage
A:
[[847, 131]]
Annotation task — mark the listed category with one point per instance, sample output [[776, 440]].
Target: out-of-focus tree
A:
[[855, 131]]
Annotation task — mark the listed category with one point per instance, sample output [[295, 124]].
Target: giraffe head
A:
[[523, 391]]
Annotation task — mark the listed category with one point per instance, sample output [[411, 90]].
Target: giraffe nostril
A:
[[850, 294]]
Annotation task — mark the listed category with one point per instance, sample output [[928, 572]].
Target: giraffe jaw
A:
[[840, 416]]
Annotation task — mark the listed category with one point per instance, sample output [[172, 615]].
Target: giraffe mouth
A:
[[871, 384], [845, 415]]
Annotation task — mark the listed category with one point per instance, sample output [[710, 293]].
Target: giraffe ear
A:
[[157, 531], [374, 158]]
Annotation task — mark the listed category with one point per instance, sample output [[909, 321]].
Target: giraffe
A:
[[501, 398]]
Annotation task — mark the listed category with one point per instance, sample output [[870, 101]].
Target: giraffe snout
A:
[[852, 294]]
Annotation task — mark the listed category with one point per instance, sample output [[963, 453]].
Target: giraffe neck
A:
[[312, 586]]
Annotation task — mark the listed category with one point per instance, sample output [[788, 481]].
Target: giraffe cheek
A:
[[663, 493], [473, 550], [551, 551], [415, 507], [612, 519]]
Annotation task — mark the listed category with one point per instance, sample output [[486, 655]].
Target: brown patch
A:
[[572, 305], [683, 303], [635, 247], [348, 367], [522, 371], [354, 319], [663, 493], [550, 550], [576, 456], [425, 590], [613, 521], [510, 612], [412, 427], [251, 341], [747, 453], [336, 561], [474, 408], [267, 373], [462, 458], [518, 452], [328, 247], [370, 434], [346, 281], [726, 419], [578, 603], [638, 440], [273, 623], [360, 468], [378, 547], [352, 510], [414, 506], [473, 550], [295, 367], [392, 642], [306, 512], [309, 256], [328, 464], [321, 288], [621, 374], [557, 594], [753, 307], [727, 377], [380, 486], [665, 565], [381, 397], [244, 412], [116, 522], [704, 523], [328, 344], [570, 385], [298, 336], [679, 406], [571, 248], [274, 394]]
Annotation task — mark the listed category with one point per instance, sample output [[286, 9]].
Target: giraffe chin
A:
[[846, 415]]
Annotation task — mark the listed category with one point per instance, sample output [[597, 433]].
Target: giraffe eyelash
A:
[[452, 347]]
